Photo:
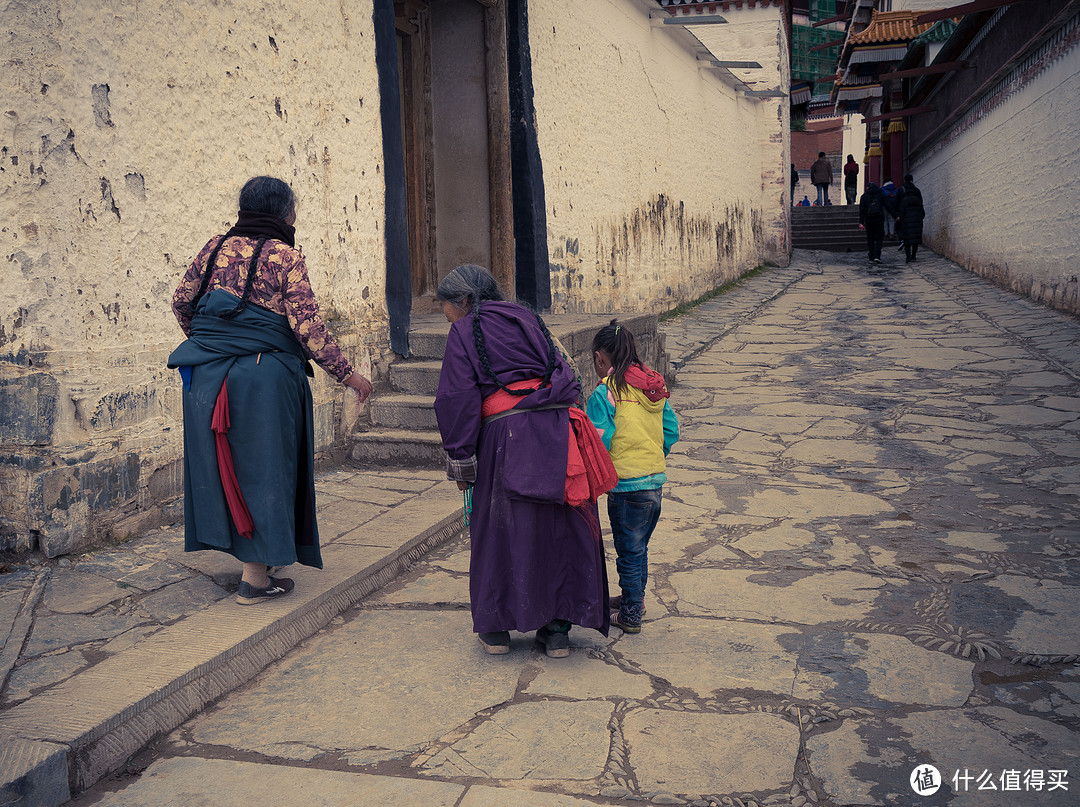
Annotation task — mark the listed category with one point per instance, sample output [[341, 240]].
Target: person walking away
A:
[[909, 218], [630, 409], [794, 182], [872, 219], [851, 180], [889, 189], [247, 308], [821, 178], [515, 441]]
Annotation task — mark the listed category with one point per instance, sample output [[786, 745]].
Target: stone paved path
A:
[[868, 562]]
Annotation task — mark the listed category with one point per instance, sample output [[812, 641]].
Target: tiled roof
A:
[[939, 32], [890, 26]]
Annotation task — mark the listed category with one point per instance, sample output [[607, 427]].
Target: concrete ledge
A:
[[33, 773], [69, 737]]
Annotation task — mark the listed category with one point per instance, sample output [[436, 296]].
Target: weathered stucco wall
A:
[[999, 189], [126, 132], [661, 182]]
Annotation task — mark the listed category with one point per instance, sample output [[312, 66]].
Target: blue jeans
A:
[[633, 516], [822, 194]]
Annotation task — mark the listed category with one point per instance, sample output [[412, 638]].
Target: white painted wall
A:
[[126, 133], [654, 170], [1001, 197]]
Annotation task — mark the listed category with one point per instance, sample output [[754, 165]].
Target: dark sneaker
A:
[[556, 644], [619, 619], [497, 643], [247, 594]]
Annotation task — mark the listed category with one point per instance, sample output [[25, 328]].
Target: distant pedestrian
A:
[[889, 189], [872, 219], [909, 217], [794, 182], [821, 178], [805, 202], [630, 409], [851, 179]]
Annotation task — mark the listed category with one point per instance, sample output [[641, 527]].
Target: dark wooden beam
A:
[[966, 8], [900, 113], [828, 44], [837, 18], [944, 67]]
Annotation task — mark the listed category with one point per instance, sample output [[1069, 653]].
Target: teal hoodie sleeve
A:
[[671, 427], [602, 414]]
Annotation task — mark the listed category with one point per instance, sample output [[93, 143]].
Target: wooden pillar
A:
[[503, 264]]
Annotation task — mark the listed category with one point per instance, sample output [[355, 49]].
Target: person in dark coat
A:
[[821, 178], [794, 182], [536, 560], [909, 217], [851, 180], [872, 219]]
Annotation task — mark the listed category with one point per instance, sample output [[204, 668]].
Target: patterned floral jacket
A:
[[280, 285]]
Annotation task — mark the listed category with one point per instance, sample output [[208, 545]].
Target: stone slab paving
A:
[[868, 563], [106, 650]]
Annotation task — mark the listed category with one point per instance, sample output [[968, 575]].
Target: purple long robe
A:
[[534, 558]]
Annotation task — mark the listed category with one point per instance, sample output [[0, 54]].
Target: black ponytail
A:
[[618, 343]]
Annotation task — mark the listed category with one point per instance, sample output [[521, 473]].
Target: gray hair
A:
[[468, 284], [268, 195]]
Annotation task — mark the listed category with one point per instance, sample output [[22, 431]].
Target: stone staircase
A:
[[832, 229], [401, 430]]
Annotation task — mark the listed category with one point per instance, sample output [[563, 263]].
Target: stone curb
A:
[[88, 726]]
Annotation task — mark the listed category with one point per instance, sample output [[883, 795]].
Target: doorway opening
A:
[[455, 129]]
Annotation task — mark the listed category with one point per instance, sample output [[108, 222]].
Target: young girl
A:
[[629, 407]]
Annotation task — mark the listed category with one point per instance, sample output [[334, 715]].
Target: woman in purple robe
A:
[[536, 561]]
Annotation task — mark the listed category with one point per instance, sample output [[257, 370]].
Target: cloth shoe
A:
[[497, 643], [556, 644], [248, 594]]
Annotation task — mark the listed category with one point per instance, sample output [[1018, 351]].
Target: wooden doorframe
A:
[[500, 179], [412, 25], [412, 22]]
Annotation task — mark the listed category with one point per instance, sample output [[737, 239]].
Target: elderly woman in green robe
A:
[[252, 323]]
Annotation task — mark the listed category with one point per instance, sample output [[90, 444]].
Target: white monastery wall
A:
[[1000, 193], [661, 182], [126, 132]]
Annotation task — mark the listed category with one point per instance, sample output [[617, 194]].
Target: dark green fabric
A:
[[271, 434]]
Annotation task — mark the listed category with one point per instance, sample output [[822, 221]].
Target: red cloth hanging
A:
[[238, 509]]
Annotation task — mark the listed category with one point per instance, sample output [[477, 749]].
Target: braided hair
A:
[[469, 282], [262, 194], [253, 267], [618, 343]]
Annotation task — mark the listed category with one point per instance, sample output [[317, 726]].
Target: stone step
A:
[[428, 342], [393, 448], [415, 377], [413, 412]]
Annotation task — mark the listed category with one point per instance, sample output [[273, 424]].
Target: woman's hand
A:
[[464, 485], [360, 384]]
